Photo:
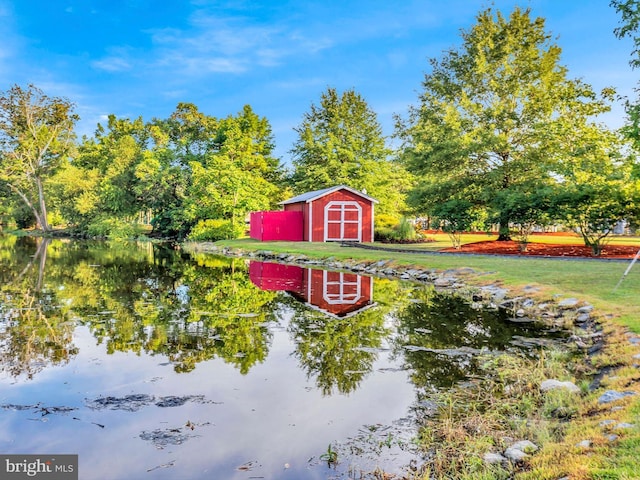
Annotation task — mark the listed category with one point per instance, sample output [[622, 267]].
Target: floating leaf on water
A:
[[417, 348], [367, 349], [248, 466], [175, 401], [422, 330], [129, 403], [162, 438], [164, 465]]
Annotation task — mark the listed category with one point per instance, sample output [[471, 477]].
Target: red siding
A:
[[350, 231], [336, 292], [275, 276], [300, 207], [285, 225]]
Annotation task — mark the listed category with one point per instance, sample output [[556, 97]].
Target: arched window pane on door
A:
[[343, 222]]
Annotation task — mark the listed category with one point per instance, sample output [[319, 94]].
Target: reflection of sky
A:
[[272, 416]]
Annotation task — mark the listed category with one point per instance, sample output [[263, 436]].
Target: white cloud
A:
[[112, 64], [118, 59], [175, 93]]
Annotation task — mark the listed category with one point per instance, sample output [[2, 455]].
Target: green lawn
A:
[[441, 240], [593, 281]]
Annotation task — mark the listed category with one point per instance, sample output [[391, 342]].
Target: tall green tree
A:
[[629, 11], [237, 175], [165, 172], [598, 184], [482, 128], [98, 190], [36, 136], [340, 141]]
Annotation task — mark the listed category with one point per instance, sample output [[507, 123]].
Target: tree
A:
[[97, 192], [482, 129], [454, 217], [36, 135], [596, 188], [629, 10], [340, 142], [527, 208], [165, 172], [235, 176]]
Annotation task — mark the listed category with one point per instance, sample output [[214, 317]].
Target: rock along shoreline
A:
[[568, 313]]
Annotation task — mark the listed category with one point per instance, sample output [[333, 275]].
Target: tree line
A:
[[500, 135]]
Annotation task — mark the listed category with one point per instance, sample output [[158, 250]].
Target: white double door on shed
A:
[[343, 221]]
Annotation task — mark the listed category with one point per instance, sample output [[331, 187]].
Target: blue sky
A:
[[141, 57]]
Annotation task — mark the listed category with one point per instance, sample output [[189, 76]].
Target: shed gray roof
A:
[[310, 196]]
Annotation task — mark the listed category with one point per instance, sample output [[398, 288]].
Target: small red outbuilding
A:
[[337, 214]]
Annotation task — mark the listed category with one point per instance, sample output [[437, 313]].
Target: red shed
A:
[[338, 213]]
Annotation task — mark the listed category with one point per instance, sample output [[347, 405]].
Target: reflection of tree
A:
[[33, 332], [136, 298], [233, 309], [439, 333], [340, 352], [167, 304]]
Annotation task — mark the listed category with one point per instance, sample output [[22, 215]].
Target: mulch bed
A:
[[545, 249]]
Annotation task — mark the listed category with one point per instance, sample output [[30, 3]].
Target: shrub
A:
[[405, 230], [215, 229], [113, 228], [55, 218]]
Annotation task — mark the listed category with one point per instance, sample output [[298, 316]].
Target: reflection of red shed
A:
[[334, 214], [337, 294]]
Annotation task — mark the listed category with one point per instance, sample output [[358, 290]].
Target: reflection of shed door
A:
[[342, 221], [340, 288]]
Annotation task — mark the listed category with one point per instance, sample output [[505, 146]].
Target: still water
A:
[[150, 363]]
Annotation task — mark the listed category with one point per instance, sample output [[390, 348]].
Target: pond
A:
[[148, 362]]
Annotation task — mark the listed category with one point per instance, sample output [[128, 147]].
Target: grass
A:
[[441, 240], [506, 402], [593, 281]]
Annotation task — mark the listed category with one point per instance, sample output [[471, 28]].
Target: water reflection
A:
[[338, 344], [34, 332], [207, 364], [147, 299], [337, 294], [440, 337]]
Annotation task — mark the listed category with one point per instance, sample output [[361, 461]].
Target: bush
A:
[[399, 232], [384, 235], [24, 217], [216, 229], [405, 230], [113, 228], [55, 218]]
